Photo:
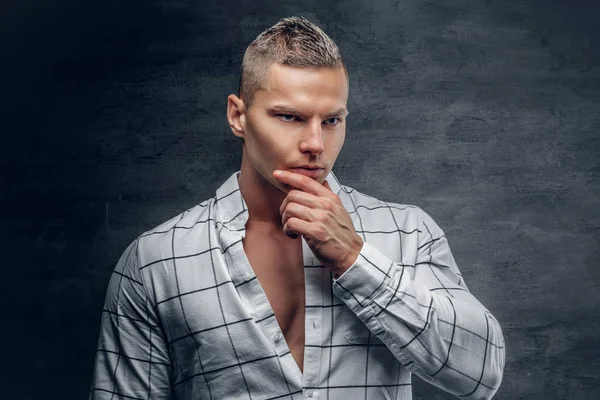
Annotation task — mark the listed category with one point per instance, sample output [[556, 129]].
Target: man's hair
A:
[[293, 41]]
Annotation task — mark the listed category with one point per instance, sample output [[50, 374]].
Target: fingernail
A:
[[278, 172]]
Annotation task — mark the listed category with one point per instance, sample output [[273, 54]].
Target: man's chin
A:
[[284, 187]]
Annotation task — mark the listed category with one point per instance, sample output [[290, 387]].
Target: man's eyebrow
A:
[[284, 109], [341, 112]]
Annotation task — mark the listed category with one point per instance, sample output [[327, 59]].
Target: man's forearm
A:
[[444, 336]]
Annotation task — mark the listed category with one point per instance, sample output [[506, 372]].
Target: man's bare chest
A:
[[278, 265]]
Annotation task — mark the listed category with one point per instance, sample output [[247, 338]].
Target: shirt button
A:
[[309, 393], [226, 217], [277, 337], [347, 295]]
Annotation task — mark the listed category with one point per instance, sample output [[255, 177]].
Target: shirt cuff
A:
[[360, 284]]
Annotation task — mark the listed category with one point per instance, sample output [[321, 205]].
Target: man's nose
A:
[[312, 140]]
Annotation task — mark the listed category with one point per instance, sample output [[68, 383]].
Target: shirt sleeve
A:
[[426, 316], [132, 359]]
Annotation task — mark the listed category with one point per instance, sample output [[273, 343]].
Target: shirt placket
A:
[[254, 295], [313, 331]]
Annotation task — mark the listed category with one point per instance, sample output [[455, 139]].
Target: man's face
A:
[[297, 122]]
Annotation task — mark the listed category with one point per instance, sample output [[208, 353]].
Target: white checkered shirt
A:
[[185, 316]]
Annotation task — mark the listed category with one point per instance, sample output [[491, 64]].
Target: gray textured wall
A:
[[484, 113]]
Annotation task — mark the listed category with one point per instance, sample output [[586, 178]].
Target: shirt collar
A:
[[232, 210]]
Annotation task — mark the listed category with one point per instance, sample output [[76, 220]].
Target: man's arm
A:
[[427, 317], [132, 360], [429, 320]]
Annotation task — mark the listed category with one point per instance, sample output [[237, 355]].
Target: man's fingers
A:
[[298, 208], [297, 196], [292, 235], [301, 182], [296, 226], [298, 211]]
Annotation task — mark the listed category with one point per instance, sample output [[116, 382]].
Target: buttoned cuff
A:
[[362, 282]]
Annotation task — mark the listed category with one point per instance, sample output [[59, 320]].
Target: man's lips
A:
[[310, 172]]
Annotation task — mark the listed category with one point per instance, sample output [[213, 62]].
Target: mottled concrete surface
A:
[[485, 114]]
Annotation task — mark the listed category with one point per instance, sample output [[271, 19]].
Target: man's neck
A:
[[262, 198]]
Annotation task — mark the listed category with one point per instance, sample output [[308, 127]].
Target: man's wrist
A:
[[350, 259]]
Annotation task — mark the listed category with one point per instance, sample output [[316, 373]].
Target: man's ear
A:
[[235, 115]]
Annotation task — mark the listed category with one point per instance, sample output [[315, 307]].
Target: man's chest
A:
[[279, 268], [226, 320]]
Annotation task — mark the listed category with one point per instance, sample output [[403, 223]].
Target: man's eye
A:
[[287, 117], [332, 121]]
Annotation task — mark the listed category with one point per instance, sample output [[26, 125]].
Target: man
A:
[[287, 284]]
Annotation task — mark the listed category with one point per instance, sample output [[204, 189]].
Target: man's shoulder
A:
[[184, 220], [178, 227], [363, 203], [372, 215], [190, 230]]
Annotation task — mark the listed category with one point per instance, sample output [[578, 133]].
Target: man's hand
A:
[[316, 213]]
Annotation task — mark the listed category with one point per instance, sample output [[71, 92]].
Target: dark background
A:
[[484, 113]]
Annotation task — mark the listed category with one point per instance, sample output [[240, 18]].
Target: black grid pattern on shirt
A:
[[332, 306]]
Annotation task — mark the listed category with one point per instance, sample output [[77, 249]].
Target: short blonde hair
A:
[[293, 41]]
